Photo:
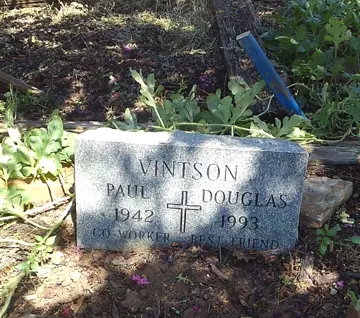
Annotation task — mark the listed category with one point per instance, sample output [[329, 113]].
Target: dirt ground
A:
[[190, 281], [72, 52]]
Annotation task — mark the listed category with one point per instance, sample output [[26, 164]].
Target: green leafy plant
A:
[[325, 237], [343, 217], [41, 252], [317, 43], [355, 240], [184, 279], [355, 301], [221, 115], [35, 153], [286, 281]]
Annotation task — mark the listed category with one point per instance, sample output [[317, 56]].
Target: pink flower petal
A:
[[196, 308]]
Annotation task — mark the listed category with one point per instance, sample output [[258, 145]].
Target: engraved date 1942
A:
[[122, 215]]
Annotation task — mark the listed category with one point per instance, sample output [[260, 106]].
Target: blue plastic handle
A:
[[269, 74]]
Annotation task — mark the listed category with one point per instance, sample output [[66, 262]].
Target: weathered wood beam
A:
[[342, 153], [228, 13], [12, 4], [7, 79], [233, 18], [71, 126]]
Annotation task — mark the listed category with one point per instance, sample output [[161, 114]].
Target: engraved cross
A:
[[183, 207]]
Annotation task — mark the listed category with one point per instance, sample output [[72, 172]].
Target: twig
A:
[[24, 218], [351, 275], [44, 208], [158, 308], [16, 242], [61, 219], [11, 287], [48, 186], [62, 183]]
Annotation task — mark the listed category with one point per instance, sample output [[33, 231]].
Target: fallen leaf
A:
[[242, 256], [218, 272]]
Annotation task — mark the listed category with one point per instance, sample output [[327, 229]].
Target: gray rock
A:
[[142, 189], [322, 197]]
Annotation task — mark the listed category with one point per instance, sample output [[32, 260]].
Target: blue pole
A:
[[269, 74]]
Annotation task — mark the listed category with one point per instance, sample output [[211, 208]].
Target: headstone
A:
[[145, 189]]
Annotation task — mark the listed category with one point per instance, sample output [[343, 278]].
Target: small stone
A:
[[328, 307], [75, 276], [322, 197], [118, 260]]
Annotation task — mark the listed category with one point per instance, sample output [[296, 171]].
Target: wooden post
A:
[[233, 18]]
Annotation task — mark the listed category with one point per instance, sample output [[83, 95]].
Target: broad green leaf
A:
[[323, 248], [39, 238], [55, 128], [338, 66], [36, 144], [223, 110], [213, 102], [26, 197], [137, 77], [41, 247], [235, 87], [8, 146], [190, 110], [23, 155], [34, 266], [50, 164], [239, 114], [337, 31], [244, 99], [166, 112], [68, 139], [327, 240], [150, 81], [52, 147], [22, 266], [27, 171], [355, 240], [258, 125], [354, 110], [14, 133], [355, 43], [50, 241], [130, 119], [17, 174], [333, 230]]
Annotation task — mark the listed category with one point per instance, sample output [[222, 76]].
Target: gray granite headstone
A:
[[144, 189]]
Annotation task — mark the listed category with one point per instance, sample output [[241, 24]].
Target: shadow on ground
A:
[[72, 51]]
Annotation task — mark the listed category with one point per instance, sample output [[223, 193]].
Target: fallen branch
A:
[[18, 84], [16, 242], [41, 209]]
